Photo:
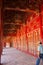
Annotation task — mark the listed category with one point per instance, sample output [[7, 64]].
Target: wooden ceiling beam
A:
[[18, 9]]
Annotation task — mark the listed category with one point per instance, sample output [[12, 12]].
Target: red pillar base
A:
[[1, 64]]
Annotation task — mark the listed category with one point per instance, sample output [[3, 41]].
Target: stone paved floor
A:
[[12, 56]]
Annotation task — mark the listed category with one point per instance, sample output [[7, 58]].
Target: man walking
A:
[[40, 53]]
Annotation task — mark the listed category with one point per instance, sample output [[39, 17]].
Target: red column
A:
[[41, 21], [0, 35], [0, 31]]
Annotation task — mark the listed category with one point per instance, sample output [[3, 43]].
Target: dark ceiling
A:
[[16, 12], [23, 4]]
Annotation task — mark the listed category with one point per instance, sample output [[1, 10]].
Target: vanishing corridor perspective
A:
[[21, 30]]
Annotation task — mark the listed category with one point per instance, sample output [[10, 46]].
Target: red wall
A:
[[29, 36]]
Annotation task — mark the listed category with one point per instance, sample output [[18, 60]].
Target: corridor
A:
[[12, 56], [21, 27]]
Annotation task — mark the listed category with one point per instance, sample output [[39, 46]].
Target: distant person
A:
[[40, 53]]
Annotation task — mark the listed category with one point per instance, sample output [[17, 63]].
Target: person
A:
[[40, 53]]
